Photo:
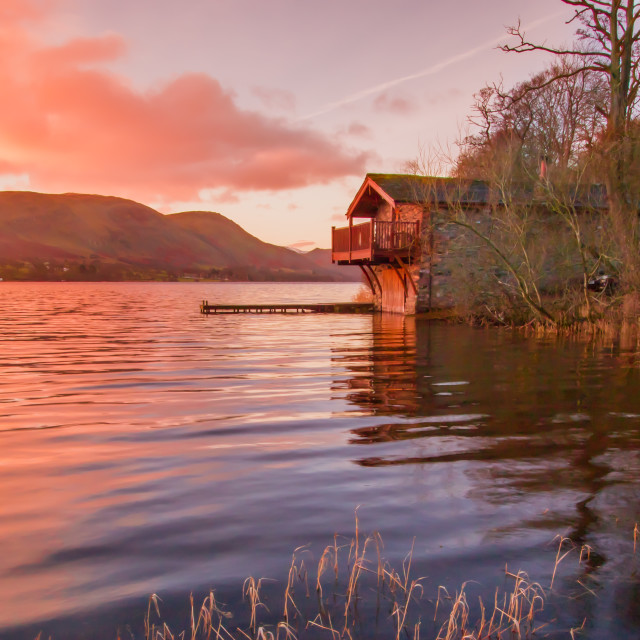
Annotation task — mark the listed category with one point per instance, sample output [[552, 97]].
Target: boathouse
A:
[[398, 234]]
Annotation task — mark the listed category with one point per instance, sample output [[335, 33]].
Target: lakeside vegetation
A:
[[99, 271], [560, 248], [352, 592]]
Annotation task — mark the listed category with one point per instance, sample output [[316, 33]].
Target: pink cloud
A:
[[358, 129], [73, 126], [275, 98], [395, 105], [303, 245], [80, 51], [23, 10], [226, 196]]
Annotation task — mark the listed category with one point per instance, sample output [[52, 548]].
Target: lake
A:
[[146, 448]]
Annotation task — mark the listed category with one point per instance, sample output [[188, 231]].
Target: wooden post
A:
[[350, 232], [369, 280], [407, 274], [375, 277], [371, 238], [400, 277]]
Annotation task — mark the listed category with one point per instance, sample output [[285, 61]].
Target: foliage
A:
[[608, 44], [558, 123], [94, 270], [561, 152], [357, 592]]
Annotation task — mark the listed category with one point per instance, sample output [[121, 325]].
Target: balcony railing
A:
[[375, 241]]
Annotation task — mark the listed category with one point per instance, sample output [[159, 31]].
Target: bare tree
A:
[[560, 122], [531, 253], [491, 251], [609, 44]]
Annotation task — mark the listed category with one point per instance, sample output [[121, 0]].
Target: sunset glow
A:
[[240, 108]]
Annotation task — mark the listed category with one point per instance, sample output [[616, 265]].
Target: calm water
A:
[[146, 448]]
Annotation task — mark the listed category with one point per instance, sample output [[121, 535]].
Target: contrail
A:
[[364, 93]]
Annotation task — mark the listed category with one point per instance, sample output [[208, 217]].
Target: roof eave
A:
[[369, 182]]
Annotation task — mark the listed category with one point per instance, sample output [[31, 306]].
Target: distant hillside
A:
[[322, 258], [79, 237]]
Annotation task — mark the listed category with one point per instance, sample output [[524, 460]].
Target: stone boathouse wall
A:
[[442, 253]]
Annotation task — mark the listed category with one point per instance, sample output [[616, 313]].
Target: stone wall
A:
[[447, 251], [385, 212], [457, 269], [410, 212]]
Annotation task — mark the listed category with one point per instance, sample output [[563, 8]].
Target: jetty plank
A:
[[323, 307]]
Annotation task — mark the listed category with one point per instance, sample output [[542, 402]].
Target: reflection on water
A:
[[146, 448], [527, 421]]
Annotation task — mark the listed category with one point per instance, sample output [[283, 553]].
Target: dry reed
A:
[[363, 294], [358, 567]]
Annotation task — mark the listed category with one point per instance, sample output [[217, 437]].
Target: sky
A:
[[270, 112]]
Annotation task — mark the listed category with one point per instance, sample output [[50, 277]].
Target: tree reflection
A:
[[521, 417]]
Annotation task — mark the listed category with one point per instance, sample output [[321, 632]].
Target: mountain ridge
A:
[[84, 236]]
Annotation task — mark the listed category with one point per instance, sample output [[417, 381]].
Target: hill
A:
[[80, 237], [322, 259]]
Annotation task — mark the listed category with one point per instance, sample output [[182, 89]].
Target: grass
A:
[[356, 588], [367, 597], [363, 294]]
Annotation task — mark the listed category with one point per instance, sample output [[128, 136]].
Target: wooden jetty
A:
[[323, 307]]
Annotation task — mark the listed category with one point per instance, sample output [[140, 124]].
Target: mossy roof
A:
[[419, 189], [404, 188]]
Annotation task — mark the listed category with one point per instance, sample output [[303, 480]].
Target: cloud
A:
[[338, 217], [14, 182], [303, 245], [399, 106], [220, 196], [359, 130], [276, 99], [72, 125], [24, 10]]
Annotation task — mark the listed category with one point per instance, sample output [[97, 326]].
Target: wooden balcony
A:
[[375, 242]]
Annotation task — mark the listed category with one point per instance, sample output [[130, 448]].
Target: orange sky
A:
[[268, 112]]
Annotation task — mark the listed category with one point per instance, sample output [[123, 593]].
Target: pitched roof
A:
[[419, 189]]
